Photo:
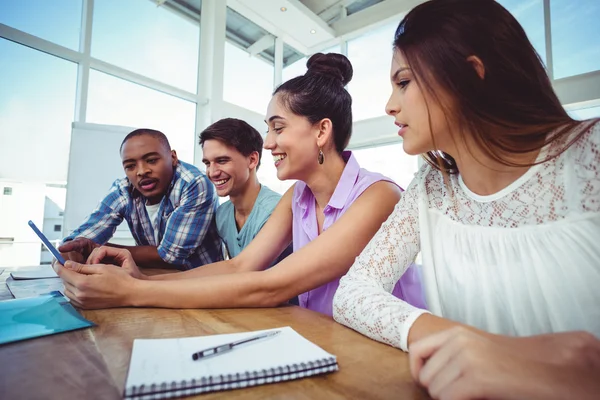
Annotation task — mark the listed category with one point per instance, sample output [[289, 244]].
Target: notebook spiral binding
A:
[[166, 390]]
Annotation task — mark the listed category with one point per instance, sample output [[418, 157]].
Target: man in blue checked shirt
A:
[[168, 204]]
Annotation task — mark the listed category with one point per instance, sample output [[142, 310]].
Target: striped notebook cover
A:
[[164, 368]]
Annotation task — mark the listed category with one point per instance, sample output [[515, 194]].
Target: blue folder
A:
[[32, 317]]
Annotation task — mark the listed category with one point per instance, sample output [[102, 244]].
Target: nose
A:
[[212, 170], [269, 140], [393, 105], [142, 169]]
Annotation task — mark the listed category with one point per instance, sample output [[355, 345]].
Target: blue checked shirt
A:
[[187, 232]]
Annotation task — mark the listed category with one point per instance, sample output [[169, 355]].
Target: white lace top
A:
[[523, 261]]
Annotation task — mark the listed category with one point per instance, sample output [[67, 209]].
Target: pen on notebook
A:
[[213, 351]]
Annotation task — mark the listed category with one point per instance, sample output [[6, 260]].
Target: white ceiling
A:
[[312, 25]]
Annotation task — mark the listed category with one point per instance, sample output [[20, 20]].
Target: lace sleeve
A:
[[363, 300], [587, 168]]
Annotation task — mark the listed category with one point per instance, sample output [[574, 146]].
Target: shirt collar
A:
[[343, 188]]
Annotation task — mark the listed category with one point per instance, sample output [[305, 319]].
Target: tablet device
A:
[[47, 243]]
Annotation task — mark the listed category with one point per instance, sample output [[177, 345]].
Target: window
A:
[[585, 113], [57, 228], [371, 57], [575, 33], [248, 81], [37, 104], [141, 37], [530, 14], [7, 191], [57, 21], [44, 249], [295, 69], [61, 213], [391, 161], [115, 101]]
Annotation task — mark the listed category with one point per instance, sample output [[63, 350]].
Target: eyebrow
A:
[[154, 153], [273, 118], [398, 71], [219, 158]]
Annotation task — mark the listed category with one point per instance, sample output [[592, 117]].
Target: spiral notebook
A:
[[164, 368]]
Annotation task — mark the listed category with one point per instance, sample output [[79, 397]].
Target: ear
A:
[[325, 131], [477, 65], [174, 159], [253, 158]]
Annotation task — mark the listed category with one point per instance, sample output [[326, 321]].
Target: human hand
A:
[[117, 256], [78, 249], [459, 363], [97, 286]]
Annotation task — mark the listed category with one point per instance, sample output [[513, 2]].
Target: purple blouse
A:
[[353, 182]]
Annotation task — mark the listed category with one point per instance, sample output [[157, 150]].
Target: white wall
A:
[[52, 217], [26, 203]]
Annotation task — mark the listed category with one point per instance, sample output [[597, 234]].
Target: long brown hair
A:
[[513, 109]]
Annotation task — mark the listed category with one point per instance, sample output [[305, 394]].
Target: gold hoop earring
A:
[[321, 157]]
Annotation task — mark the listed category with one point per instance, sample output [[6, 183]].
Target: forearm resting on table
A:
[[244, 289], [554, 382], [218, 268]]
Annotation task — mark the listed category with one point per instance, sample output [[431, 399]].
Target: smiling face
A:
[[412, 111], [292, 140], [227, 168], [149, 166]]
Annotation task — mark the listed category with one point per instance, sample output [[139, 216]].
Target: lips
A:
[[402, 128], [278, 158], [220, 183], [148, 184]]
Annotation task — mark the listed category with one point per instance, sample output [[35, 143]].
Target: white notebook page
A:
[[154, 361]]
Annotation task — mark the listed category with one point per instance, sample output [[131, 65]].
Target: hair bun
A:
[[332, 65]]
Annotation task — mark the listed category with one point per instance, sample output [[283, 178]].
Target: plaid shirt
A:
[[186, 219]]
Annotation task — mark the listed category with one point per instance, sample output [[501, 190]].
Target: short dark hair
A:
[[150, 132], [320, 93], [235, 133]]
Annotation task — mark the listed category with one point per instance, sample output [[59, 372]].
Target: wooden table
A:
[[92, 363]]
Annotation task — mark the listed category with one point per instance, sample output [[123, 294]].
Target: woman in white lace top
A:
[[506, 215]]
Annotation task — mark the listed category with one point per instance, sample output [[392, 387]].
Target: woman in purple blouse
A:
[[330, 214]]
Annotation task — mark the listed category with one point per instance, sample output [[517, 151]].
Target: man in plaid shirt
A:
[[168, 204]]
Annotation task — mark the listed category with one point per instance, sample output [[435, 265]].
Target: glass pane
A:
[[296, 69], [152, 41], [267, 174], [57, 21], [37, 103], [530, 15], [248, 81], [333, 49], [391, 161], [585, 113], [114, 101], [43, 204], [371, 57], [575, 33]]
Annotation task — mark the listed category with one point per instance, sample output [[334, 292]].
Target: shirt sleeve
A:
[[364, 300], [104, 220], [189, 223]]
